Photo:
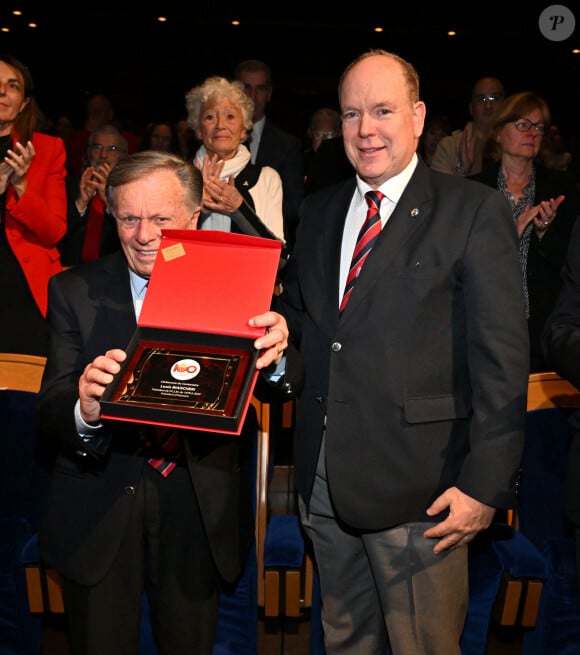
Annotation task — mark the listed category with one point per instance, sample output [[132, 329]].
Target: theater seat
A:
[[23, 482], [541, 516]]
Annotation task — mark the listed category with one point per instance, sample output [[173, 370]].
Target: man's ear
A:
[[195, 218]]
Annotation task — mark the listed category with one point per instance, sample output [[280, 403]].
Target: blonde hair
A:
[[215, 88]]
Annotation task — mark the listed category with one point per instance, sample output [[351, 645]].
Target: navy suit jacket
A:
[[91, 311], [423, 378]]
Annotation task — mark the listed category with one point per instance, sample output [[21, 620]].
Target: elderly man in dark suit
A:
[[410, 426], [561, 342], [114, 525]]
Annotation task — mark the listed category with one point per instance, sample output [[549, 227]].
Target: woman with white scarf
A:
[[238, 196]]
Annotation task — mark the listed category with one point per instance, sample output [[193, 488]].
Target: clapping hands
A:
[[14, 167], [218, 195], [93, 181], [542, 215]]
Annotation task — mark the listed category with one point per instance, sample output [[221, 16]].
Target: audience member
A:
[[436, 127], [544, 205], [238, 196], [271, 146], [159, 136], [561, 344], [325, 161], [32, 212], [410, 426], [324, 123], [461, 152], [99, 112], [91, 229], [187, 144], [115, 526], [554, 153]]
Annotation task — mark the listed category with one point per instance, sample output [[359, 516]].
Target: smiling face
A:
[[381, 126], [12, 100], [142, 209], [221, 127]]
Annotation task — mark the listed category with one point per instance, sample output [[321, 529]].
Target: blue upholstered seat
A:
[[22, 487], [542, 519]]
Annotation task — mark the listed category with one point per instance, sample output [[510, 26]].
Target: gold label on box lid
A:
[[173, 252]]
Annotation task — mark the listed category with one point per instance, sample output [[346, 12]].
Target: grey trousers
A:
[[384, 588]]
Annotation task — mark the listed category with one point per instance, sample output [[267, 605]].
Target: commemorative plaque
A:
[[193, 379], [191, 361]]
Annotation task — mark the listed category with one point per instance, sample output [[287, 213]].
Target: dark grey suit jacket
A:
[[561, 341], [91, 311], [423, 378]]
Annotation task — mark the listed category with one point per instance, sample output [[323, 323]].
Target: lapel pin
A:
[[414, 212]]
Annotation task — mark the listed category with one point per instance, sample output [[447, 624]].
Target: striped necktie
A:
[[167, 439], [366, 240]]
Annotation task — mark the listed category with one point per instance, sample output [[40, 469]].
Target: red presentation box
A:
[[191, 362]]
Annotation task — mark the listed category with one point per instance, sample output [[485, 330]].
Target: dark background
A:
[[146, 67]]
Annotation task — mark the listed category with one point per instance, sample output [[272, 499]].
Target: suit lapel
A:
[[117, 315], [329, 254]]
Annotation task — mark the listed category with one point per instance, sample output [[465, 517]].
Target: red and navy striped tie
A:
[[366, 240], [168, 441]]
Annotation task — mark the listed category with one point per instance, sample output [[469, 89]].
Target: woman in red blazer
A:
[[32, 212]]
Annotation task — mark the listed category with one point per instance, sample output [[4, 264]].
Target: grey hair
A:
[[145, 162], [215, 88], [110, 130]]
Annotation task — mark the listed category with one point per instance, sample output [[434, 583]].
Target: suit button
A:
[[336, 347], [130, 490]]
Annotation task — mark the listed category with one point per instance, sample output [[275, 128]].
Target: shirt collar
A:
[[393, 188], [138, 284]]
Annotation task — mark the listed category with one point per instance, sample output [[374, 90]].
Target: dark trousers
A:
[[165, 552], [386, 587]]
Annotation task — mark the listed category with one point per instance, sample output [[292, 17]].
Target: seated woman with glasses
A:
[[91, 230], [544, 204]]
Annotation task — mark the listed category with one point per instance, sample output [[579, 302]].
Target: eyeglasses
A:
[[99, 147], [484, 99], [323, 136], [525, 125]]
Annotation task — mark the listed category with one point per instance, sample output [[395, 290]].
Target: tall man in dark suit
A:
[[113, 525], [561, 341], [271, 146], [410, 426]]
